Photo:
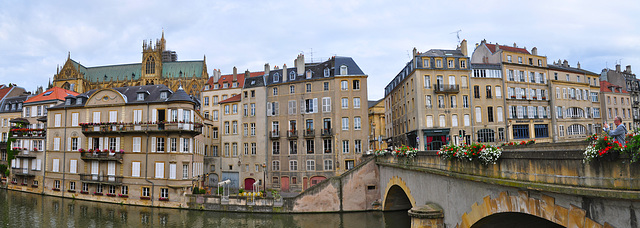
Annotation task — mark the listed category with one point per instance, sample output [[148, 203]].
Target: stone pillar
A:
[[430, 215]]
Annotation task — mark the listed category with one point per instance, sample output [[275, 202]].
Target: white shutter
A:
[[136, 144], [315, 105], [181, 144], [56, 144], [135, 169], [159, 170], [153, 144], [80, 142], [180, 115], [100, 143], [68, 144], [39, 164], [90, 143], [95, 167], [172, 171], [56, 165], [154, 113], [276, 108], [25, 163], [500, 114], [302, 106], [33, 165], [190, 145], [269, 108], [73, 166], [117, 144], [111, 168], [192, 116]]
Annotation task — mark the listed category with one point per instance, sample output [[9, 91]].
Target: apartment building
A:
[[628, 81], [527, 103], [427, 103], [10, 110], [615, 101], [28, 137], [377, 139], [488, 103], [314, 117], [253, 159], [576, 104], [137, 144]]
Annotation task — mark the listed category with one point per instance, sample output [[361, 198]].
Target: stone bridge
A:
[[540, 185]]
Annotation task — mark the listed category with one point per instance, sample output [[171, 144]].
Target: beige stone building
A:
[[314, 117], [377, 138], [615, 101], [488, 101], [253, 158], [428, 103], [136, 145], [527, 106], [10, 108], [29, 133], [576, 108]]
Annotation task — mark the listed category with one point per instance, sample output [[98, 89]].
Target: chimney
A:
[[300, 64], [247, 74], [578, 65], [497, 47], [266, 69], [284, 73], [235, 74], [514, 44], [565, 63], [617, 67], [415, 52], [463, 47], [534, 51], [628, 70]]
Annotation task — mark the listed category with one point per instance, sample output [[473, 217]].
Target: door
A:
[[284, 184], [234, 177], [161, 119], [248, 184], [317, 179], [305, 183]]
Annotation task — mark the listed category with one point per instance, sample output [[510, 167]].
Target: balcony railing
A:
[[309, 133], [327, 132], [447, 88], [101, 156], [275, 134], [25, 172], [292, 134], [101, 179], [26, 154], [116, 128], [27, 133]]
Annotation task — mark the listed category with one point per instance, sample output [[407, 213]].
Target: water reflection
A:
[[19, 209]]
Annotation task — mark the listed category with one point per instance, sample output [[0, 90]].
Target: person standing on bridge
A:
[[619, 133]]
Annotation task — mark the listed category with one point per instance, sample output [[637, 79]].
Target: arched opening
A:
[[514, 219], [248, 184], [397, 199], [66, 86], [317, 179]]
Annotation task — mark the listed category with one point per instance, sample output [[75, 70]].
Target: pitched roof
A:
[[55, 93], [374, 103], [185, 69], [492, 48], [605, 87], [228, 78], [570, 69], [11, 101], [180, 95], [4, 91], [232, 99]]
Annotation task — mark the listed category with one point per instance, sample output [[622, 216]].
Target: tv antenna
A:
[[457, 34]]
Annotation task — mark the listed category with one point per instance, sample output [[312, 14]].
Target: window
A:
[[356, 102], [311, 165], [450, 63], [440, 101], [140, 96], [521, 131], [246, 149], [215, 100], [427, 82], [357, 145], [344, 85], [292, 89], [345, 103], [160, 144], [499, 114], [486, 135], [74, 143], [308, 87], [439, 63], [173, 142], [326, 86], [478, 114], [74, 119], [164, 193], [185, 171], [135, 169], [498, 92], [429, 121], [345, 146], [465, 101], [356, 84], [328, 165], [275, 165], [519, 59], [345, 123], [349, 164], [235, 127], [293, 165], [489, 91], [576, 129], [276, 147], [293, 147], [145, 191], [292, 76], [206, 101], [509, 58], [344, 70], [234, 148], [57, 120], [185, 145], [490, 114], [463, 63], [541, 130], [326, 104], [476, 91], [356, 123], [226, 110], [234, 109], [442, 120], [159, 170], [327, 146]]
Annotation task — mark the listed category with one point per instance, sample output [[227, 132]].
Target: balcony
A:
[[292, 134], [275, 134], [447, 88], [18, 133], [327, 132], [101, 179], [26, 154], [25, 172], [119, 128], [101, 156], [309, 133]]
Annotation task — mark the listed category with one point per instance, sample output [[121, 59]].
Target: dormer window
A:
[[225, 85], [344, 70], [309, 74], [276, 77], [163, 95], [216, 86], [19, 106], [79, 101], [292, 76], [68, 102], [206, 87], [326, 72], [6, 107], [235, 84], [140, 97], [13, 107]]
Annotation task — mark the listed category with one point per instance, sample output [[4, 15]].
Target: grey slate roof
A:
[[252, 82], [373, 103], [133, 71], [131, 94], [570, 69], [317, 70], [486, 66], [180, 95], [13, 100]]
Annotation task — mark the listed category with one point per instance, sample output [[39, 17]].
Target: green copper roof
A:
[[133, 71]]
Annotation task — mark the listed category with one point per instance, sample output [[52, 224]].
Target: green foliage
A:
[[240, 190], [220, 190]]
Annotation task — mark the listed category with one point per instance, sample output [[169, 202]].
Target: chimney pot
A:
[[628, 70], [617, 67], [235, 74]]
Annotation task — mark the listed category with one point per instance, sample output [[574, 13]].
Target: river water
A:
[[18, 209]]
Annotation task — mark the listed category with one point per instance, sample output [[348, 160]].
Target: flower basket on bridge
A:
[[485, 154], [604, 148]]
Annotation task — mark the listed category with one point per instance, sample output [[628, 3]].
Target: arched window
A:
[[150, 65], [576, 129], [344, 70], [292, 75], [276, 77]]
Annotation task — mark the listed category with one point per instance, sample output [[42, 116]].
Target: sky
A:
[[37, 36]]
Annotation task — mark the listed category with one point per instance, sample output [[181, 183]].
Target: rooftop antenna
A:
[[457, 34], [311, 54]]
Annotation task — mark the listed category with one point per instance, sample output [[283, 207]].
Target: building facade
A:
[[138, 145], [427, 104], [158, 66], [615, 101], [314, 116], [488, 103], [377, 139], [628, 81]]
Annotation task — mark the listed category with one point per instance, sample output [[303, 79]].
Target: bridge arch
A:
[[397, 196], [544, 212]]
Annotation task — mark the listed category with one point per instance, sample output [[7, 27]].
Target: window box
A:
[[97, 193], [544, 98], [123, 196], [513, 97], [84, 192], [23, 184], [145, 198], [72, 191], [13, 182], [55, 189], [535, 98], [110, 194], [34, 185], [163, 199]]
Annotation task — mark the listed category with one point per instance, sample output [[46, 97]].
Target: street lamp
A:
[[264, 178]]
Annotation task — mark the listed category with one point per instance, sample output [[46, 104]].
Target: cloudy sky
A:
[[35, 36]]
